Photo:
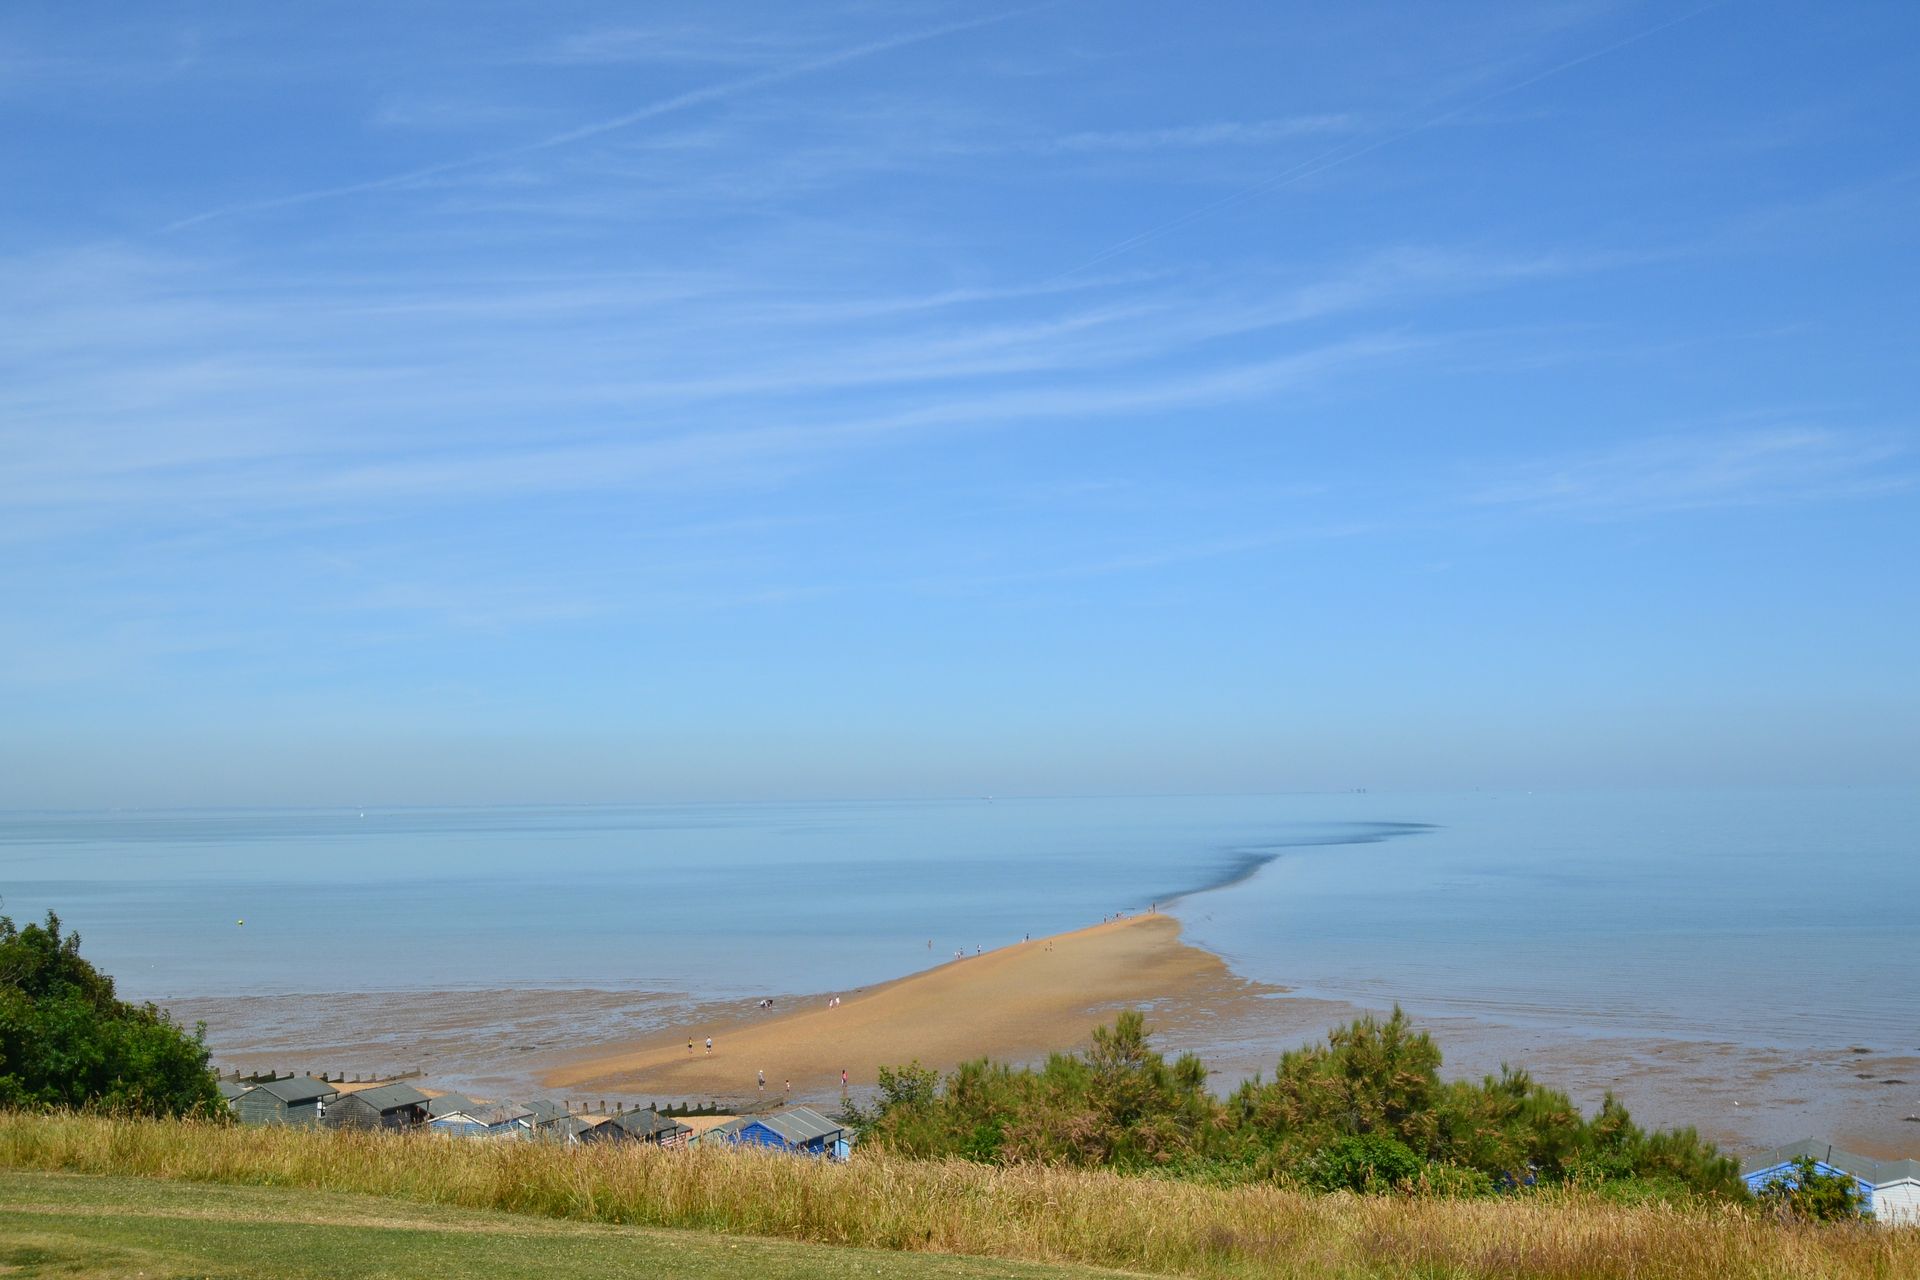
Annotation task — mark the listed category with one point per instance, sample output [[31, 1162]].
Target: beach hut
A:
[[800, 1129], [300, 1101], [1777, 1165], [389, 1106], [1896, 1193], [449, 1102], [483, 1120], [231, 1091], [553, 1122], [718, 1134], [639, 1126], [545, 1110], [565, 1129]]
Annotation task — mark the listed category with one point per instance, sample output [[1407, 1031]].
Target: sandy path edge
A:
[[1016, 1003]]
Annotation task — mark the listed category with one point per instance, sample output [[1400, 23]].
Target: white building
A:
[[1896, 1193]]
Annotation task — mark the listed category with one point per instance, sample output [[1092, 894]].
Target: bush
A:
[[1365, 1163], [1451, 1182], [66, 1041], [1811, 1193], [1364, 1111]]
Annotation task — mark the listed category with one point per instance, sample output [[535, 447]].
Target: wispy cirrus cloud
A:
[[135, 385], [446, 113], [245, 474], [1765, 467], [628, 43], [1218, 133], [692, 98]]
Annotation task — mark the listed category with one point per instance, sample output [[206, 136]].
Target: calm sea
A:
[[1779, 918]]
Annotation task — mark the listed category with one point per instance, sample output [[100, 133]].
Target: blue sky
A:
[[469, 402]]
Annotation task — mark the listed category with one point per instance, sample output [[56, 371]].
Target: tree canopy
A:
[[66, 1040]]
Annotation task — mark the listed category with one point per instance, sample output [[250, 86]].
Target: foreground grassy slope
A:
[[1034, 1214], [78, 1227]]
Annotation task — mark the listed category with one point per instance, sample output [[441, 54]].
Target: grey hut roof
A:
[[720, 1132], [645, 1124], [568, 1126], [297, 1089], [449, 1102], [546, 1110], [389, 1097], [494, 1114], [229, 1090], [802, 1124], [1875, 1172]]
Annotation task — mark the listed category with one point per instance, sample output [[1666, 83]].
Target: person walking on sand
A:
[[843, 1079], [689, 1046], [709, 1046], [763, 1079]]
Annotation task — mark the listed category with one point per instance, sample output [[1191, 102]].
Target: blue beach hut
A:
[[1777, 1166], [800, 1129]]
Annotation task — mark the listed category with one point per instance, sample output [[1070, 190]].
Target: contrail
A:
[[1338, 156], [666, 106]]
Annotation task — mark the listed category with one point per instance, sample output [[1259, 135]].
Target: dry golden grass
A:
[[1048, 1215]]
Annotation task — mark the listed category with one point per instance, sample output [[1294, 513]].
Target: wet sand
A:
[[1018, 1004]]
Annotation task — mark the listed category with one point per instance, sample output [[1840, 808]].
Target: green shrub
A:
[[1365, 1162], [1365, 1110], [1811, 1193], [66, 1041], [1451, 1182]]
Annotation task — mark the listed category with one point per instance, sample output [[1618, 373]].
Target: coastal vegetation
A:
[[1813, 1192], [66, 1040], [1030, 1212], [1365, 1111], [1355, 1159]]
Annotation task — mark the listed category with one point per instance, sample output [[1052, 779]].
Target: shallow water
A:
[[1765, 918]]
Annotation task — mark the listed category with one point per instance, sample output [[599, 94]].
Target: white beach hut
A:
[[1896, 1193]]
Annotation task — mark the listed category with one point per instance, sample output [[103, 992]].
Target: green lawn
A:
[[67, 1225]]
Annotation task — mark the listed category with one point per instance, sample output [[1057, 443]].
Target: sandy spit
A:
[[1016, 1003]]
